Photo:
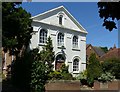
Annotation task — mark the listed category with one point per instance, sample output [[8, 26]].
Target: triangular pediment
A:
[[51, 17]]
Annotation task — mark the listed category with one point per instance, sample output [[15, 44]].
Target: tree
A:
[[93, 69], [42, 66], [16, 25], [109, 11], [105, 49], [16, 35], [39, 73], [21, 71], [47, 54]]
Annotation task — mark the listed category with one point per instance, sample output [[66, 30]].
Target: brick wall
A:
[[63, 85], [114, 85]]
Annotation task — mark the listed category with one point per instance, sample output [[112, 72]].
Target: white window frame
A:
[[60, 39], [42, 36], [76, 64], [75, 42], [61, 13], [61, 19]]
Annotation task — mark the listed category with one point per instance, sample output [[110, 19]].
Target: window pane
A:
[[75, 42], [76, 65], [43, 36], [60, 19], [60, 39]]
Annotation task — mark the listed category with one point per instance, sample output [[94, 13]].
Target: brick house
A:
[[93, 49], [112, 53]]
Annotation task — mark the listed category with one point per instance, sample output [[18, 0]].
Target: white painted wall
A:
[[52, 18], [68, 28], [68, 35]]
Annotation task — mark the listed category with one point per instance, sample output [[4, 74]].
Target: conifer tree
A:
[[47, 54], [94, 69]]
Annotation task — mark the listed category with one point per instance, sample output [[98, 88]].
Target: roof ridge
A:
[[47, 11], [67, 13]]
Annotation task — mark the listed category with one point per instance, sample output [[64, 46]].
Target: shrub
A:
[[105, 77], [64, 68], [82, 77], [113, 66], [62, 74], [94, 69], [67, 76], [55, 75], [65, 73]]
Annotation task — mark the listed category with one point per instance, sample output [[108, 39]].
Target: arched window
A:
[[60, 58], [60, 39], [76, 65], [43, 36], [60, 19], [75, 42]]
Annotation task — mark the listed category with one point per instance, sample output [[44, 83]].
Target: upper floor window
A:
[[60, 19], [43, 36], [76, 65], [75, 42], [60, 39]]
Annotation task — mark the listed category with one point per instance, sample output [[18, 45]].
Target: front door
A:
[[58, 65], [59, 61]]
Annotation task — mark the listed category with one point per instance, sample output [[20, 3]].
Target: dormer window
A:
[[60, 19]]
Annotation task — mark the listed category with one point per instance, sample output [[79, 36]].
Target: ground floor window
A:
[[76, 65]]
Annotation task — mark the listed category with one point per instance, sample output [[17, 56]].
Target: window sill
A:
[[76, 49], [76, 72], [41, 44]]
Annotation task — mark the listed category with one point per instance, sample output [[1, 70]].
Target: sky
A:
[[86, 13]]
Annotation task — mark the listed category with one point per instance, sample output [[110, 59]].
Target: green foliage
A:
[[105, 77], [16, 28], [65, 73], [47, 54], [64, 68], [82, 75], [20, 72], [93, 69], [55, 75], [42, 68], [38, 76], [105, 49], [113, 66], [29, 72], [67, 76], [109, 12], [62, 74]]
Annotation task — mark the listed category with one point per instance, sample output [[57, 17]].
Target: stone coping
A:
[[108, 81], [59, 81]]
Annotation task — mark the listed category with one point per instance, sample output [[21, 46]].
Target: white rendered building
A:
[[68, 37]]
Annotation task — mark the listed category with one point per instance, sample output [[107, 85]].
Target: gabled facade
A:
[[68, 37], [93, 49]]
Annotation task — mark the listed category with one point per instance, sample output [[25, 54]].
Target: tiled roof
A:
[[114, 53], [87, 45], [99, 51]]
